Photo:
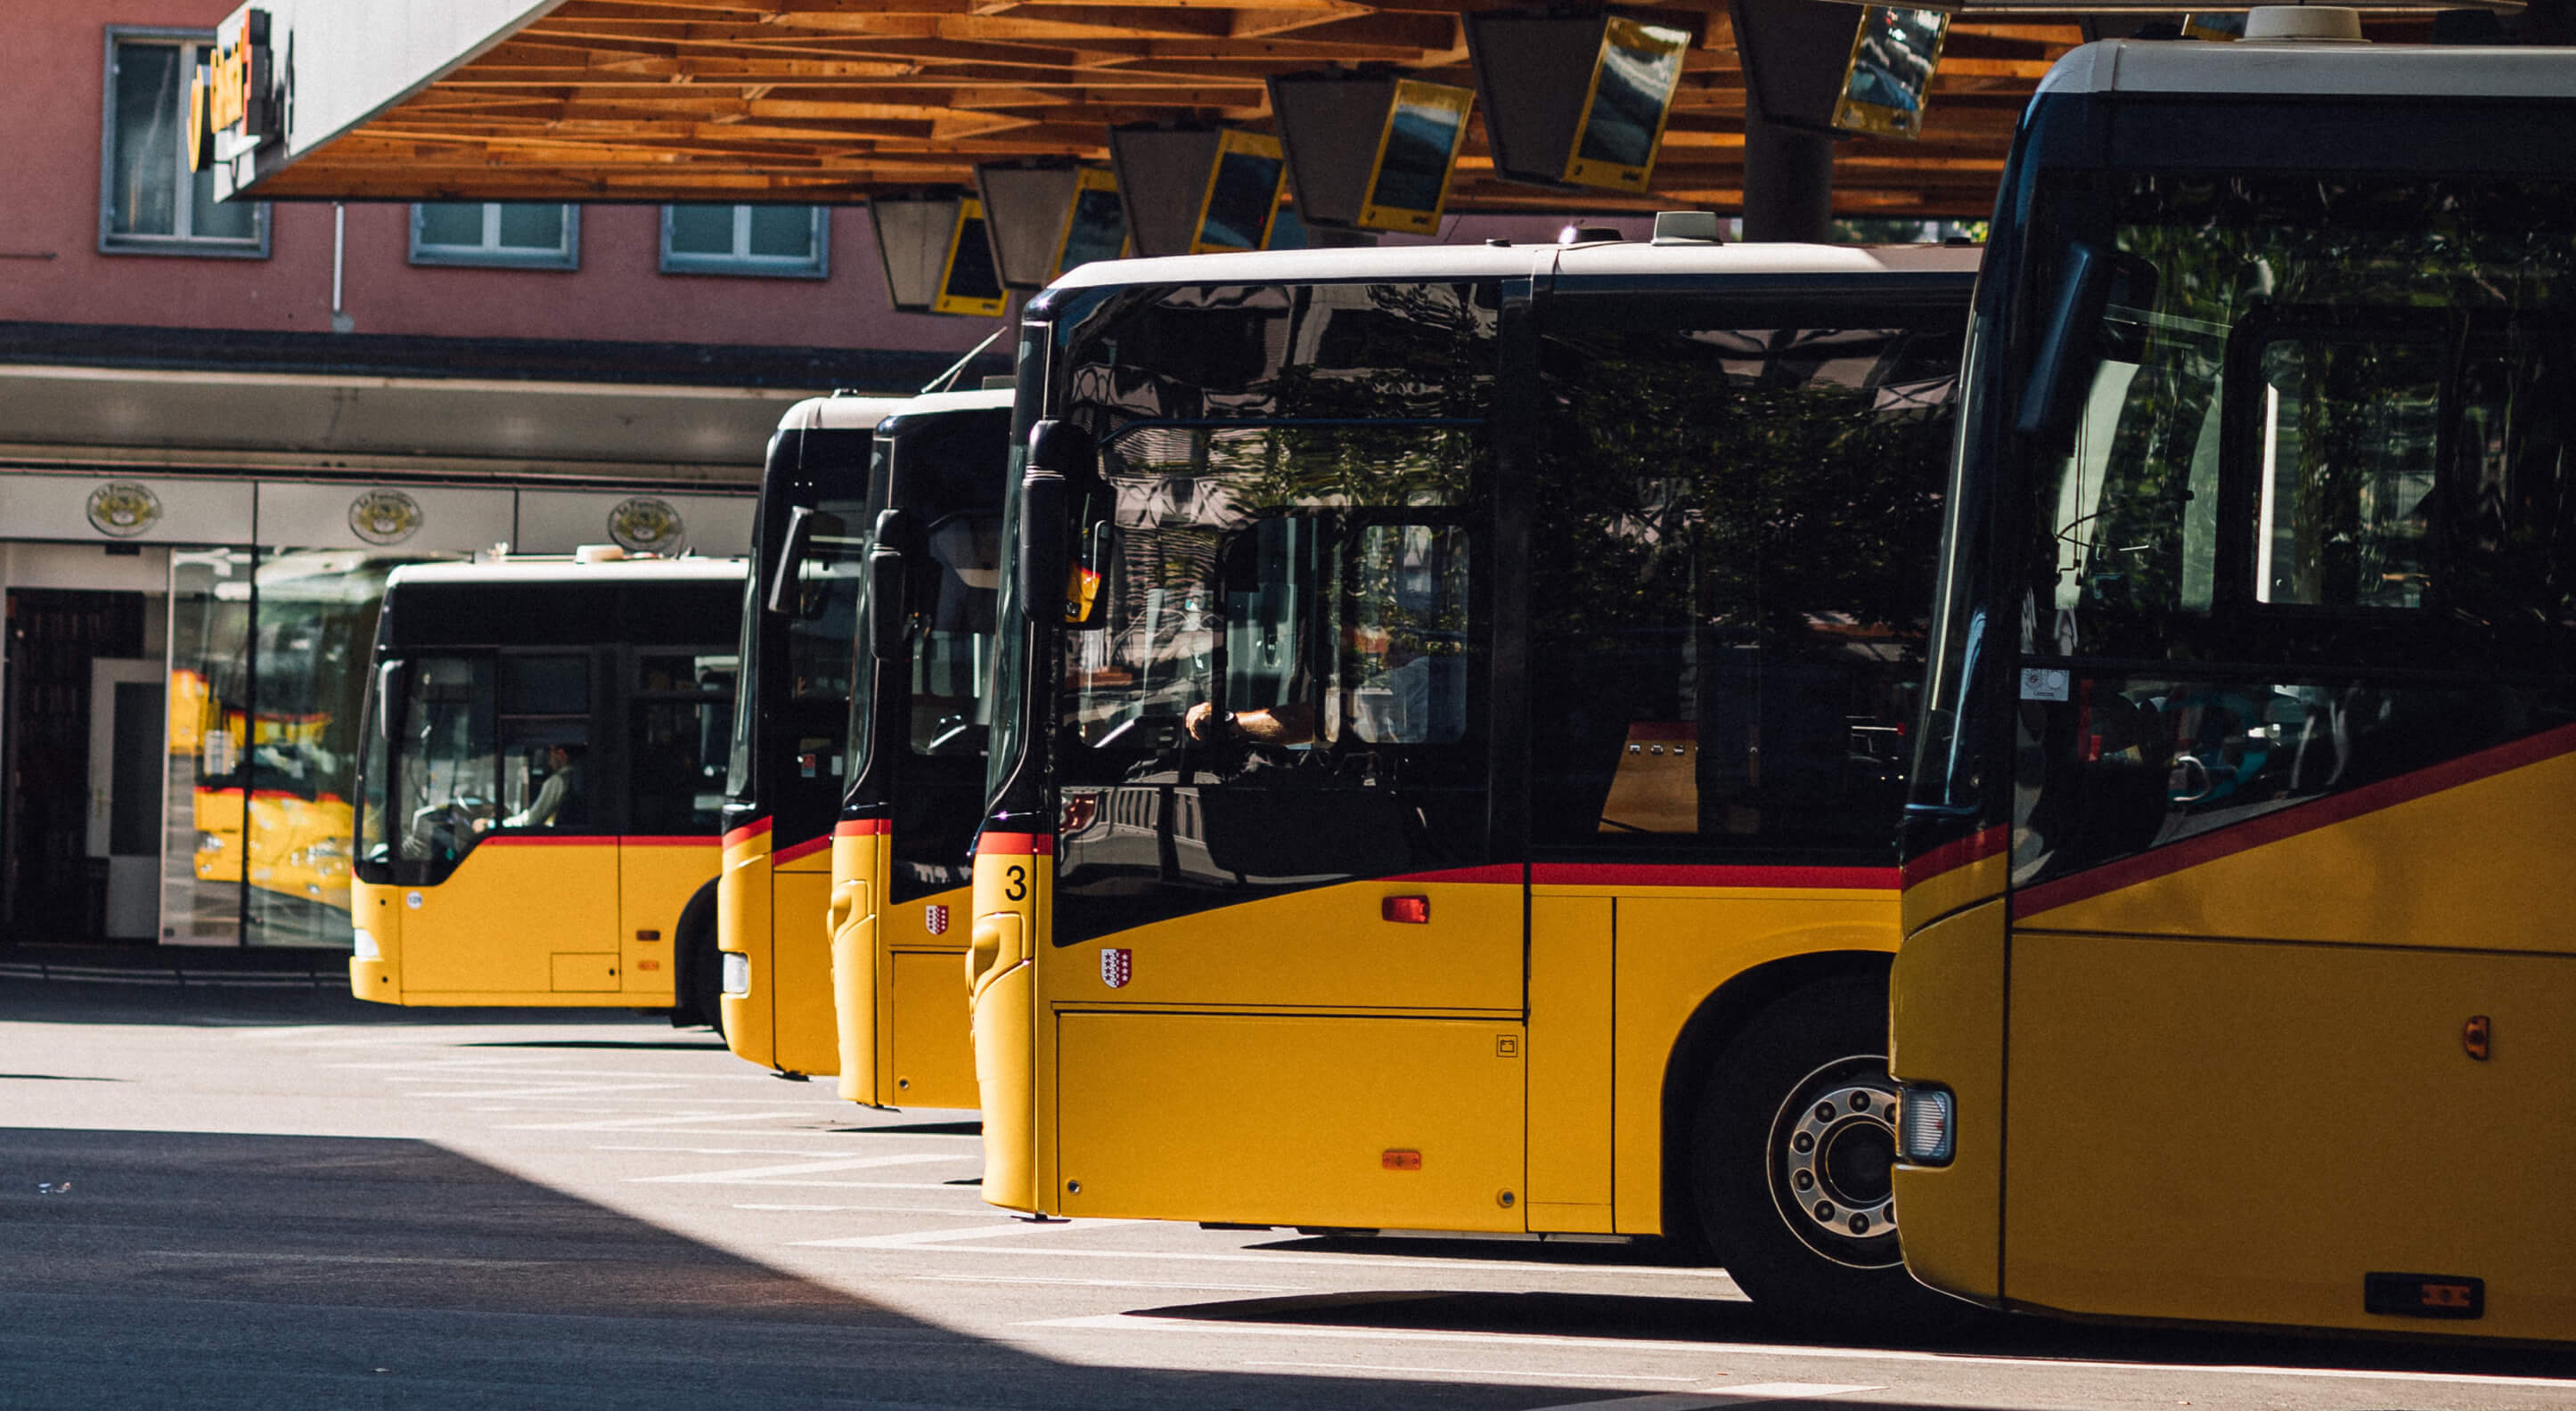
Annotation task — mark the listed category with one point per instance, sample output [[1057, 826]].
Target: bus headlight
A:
[[1925, 1126], [367, 947], [737, 973]]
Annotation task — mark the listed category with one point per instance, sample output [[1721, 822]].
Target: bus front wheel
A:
[[1792, 1153]]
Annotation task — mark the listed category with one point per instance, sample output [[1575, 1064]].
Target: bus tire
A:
[[1791, 1150]]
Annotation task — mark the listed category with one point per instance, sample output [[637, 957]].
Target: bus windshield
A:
[[2315, 526]]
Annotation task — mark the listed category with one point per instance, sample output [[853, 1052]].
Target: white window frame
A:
[[492, 253], [742, 262], [110, 240]]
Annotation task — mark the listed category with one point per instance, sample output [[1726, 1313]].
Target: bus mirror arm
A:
[[782, 597], [2061, 373], [886, 607]]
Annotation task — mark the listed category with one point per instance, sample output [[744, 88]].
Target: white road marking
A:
[[1339, 1261], [866, 1209], [914, 1239], [1760, 1394], [1128, 1322], [1112, 1284], [766, 1175], [721, 1151], [650, 1124], [1484, 1373]]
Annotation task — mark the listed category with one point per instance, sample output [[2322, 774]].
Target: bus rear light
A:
[[1400, 1160], [1411, 910], [737, 973], [1925, 1131]]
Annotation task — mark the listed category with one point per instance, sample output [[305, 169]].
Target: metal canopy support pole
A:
[[1794, 54], [1788, 182]]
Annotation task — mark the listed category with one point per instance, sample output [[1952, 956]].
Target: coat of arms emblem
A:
[[934, 919], [1117, 966]]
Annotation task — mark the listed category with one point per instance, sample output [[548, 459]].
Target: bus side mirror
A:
[[1041, 561], [886, 606], [1059, 456], [782, 597], [2078, 341]]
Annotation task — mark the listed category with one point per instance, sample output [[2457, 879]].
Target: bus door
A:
[[1285, 975], [679, 718]]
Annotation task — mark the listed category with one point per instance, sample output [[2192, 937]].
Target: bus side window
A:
[[1402, 677], [677, 728], [545, 742]]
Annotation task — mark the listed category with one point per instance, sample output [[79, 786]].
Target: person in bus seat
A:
[[558, 799]]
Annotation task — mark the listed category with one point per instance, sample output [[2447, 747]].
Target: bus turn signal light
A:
[[1411, 910], [1924, 1134], [1400, 1160]]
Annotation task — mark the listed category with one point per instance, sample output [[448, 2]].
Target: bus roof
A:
[[1604, 258], [2310, 68], [842, 411], [565, 570], [980, 400]]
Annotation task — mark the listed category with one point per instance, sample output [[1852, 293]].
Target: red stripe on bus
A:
[[668, 840], [747, 832], [1016, 844], [2295, 820], [1620, 874], [807, 848], [548, 840], [1507, 873], [862, 827], [1951, 856]]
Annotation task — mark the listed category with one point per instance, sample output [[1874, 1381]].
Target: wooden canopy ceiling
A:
[[837, 100]]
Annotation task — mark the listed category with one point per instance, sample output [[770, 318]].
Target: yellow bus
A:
[[2237, 969], [1445, 768], [783, 779], [540, 778], [918, 722]]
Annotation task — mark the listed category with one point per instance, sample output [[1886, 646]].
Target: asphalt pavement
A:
[[224, 1197]]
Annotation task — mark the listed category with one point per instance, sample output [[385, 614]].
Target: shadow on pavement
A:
[[1713, 1321], [229, 1270]]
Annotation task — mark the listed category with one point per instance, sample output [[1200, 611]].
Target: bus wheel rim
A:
[[1832, 1149]]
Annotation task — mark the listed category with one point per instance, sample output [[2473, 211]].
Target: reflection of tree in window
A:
[[1736, 532]]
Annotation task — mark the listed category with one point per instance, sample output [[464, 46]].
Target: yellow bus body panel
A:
[[860, 864], [521, 921], [656, 879], [900, 1006], [743, 928], [804, 1036], [1946, 1010], [2241, 1078], [1302, 1060], [1675, 947], [1440, 1098], [1011, 893]]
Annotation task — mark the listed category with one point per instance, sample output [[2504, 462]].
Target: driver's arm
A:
[[1290, 724]]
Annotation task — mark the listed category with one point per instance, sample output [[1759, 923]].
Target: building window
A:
[[793, 241], [521, 234], [149, 202]]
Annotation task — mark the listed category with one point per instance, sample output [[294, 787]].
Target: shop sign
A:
[[237, 103], [644, 525], [122, 509], [385, 516]]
